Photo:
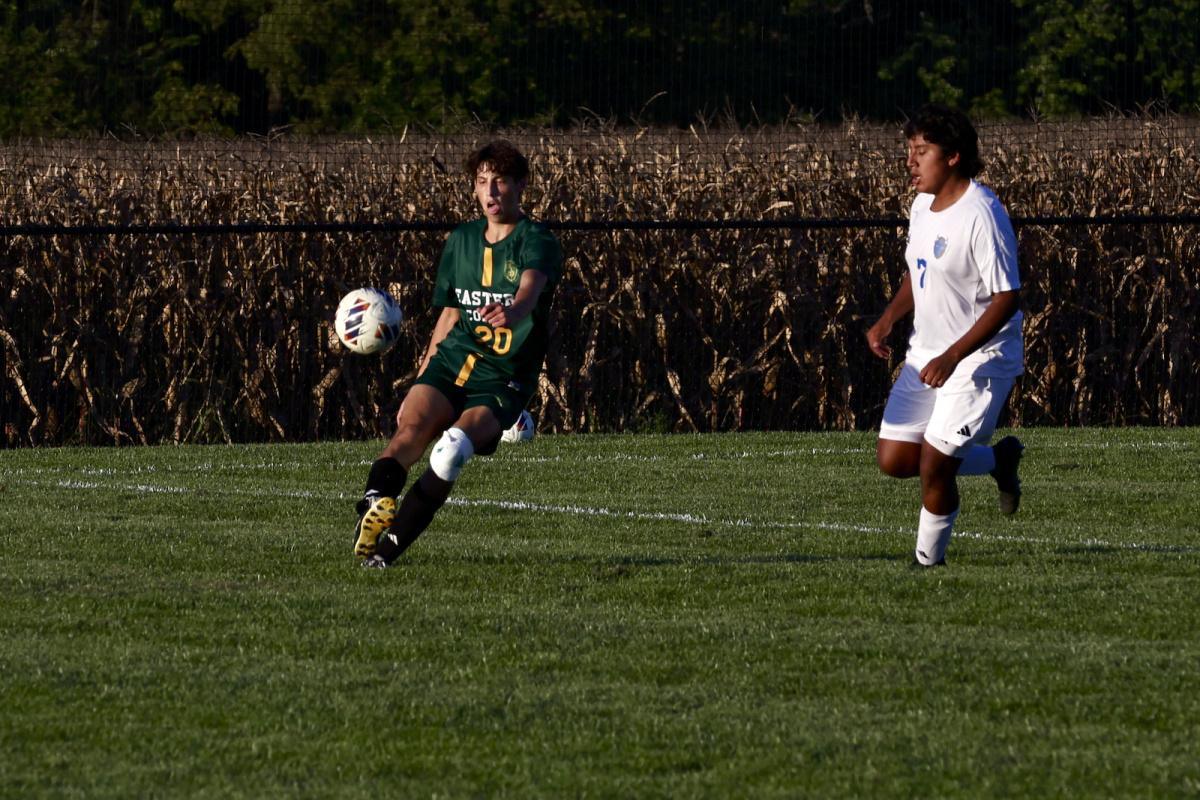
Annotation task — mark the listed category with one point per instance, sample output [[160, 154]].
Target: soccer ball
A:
[[521, 430], [368, 321]]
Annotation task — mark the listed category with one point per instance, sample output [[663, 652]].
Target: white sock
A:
[[979, 460], [933, 534]]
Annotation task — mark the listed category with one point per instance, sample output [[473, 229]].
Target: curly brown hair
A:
[[503, 158]]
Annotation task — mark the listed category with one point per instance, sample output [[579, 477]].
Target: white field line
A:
[[510, 453], [838, 527], [616, 458], [597, 512]]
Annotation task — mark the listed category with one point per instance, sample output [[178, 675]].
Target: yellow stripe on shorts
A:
[[465, 372], [487, 266]]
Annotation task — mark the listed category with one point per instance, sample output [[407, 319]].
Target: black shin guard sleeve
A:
[[413, 516], [386, 478]]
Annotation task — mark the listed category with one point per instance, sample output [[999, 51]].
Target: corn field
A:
[[119, 337]]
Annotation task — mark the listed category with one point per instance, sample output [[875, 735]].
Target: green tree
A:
[[232, 66], [340, 66], [1169, 50], [41, 94], [960, 56], [1073, 52], [97, 66]]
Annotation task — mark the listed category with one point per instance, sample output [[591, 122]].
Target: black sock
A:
[[386, 479], [416, 511]]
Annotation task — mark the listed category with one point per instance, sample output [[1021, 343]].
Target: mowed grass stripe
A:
[[537, 508], [217, 640]]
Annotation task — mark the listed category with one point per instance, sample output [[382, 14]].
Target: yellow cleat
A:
[[372, 524]]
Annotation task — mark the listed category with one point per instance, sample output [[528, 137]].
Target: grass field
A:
[[601, 616]]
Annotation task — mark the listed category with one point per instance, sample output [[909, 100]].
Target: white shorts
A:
[[954, 418]]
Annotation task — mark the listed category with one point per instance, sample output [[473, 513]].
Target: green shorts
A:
[[506, 398]]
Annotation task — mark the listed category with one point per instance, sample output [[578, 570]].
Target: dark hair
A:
[[950, 130], [504, 159]]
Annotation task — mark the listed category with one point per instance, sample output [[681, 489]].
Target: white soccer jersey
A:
[[958, 258]]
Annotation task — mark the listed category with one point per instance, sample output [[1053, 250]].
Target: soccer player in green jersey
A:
[[495, 283]]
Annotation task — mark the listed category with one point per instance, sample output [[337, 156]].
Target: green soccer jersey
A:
[[474, 272]]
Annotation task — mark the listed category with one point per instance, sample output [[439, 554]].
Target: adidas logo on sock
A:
[[964, 431]]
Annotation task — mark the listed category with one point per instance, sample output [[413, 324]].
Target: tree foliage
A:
[[232, 66]]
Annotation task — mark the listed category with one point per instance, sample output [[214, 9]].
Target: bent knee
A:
[[895, 468], [451, 454], [898, 459]]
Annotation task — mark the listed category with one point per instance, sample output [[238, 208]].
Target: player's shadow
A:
[[1111, 550], [718, 561]]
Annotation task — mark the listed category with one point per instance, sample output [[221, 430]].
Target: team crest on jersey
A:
[[510, 270], [939, 247]]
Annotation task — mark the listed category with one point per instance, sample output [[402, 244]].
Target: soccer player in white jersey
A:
[[965, 351]]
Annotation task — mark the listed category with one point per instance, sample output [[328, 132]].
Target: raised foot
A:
[[1008, 460]]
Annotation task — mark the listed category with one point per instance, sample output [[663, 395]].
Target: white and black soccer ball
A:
[[521, 430], [368, 321]]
